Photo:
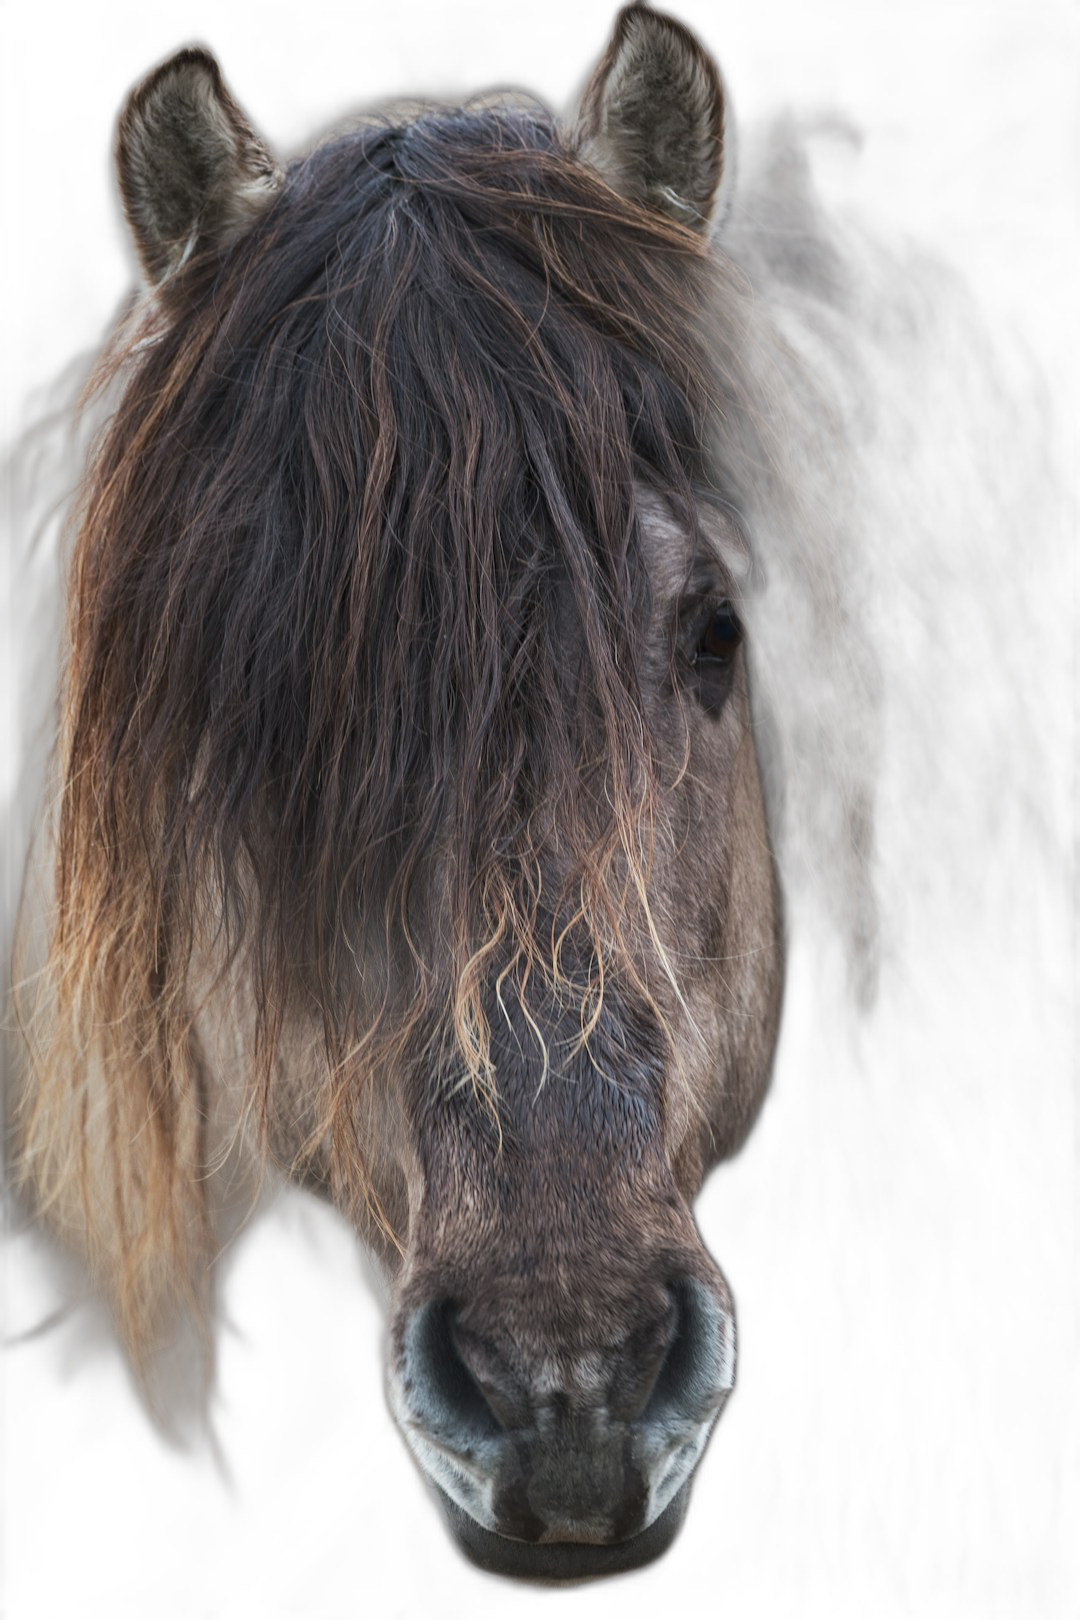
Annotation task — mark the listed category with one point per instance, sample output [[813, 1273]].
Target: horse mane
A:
[[370, 473], [957, 433]]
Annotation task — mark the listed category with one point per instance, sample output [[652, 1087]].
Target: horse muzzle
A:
[[565, 1467]]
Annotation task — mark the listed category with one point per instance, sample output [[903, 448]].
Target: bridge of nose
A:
[[554, 1384]]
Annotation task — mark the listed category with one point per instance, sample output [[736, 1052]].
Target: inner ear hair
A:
[[652, 120], [193, 173]]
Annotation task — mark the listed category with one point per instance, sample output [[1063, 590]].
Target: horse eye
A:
[[721, 637]]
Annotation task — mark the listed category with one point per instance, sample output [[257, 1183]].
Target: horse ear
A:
[[192, 171], [652, 120]]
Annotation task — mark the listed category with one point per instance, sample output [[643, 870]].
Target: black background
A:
[[897, 1244]]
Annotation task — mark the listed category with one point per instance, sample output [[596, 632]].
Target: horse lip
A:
[[563, 1560]]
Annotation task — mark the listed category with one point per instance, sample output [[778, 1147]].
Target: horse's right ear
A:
[[193, 173], [655, 122]]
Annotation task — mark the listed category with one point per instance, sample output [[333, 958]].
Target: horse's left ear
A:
[[653, 121], [193, 173]]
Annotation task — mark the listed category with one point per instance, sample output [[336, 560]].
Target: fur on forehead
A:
[[718, 533]]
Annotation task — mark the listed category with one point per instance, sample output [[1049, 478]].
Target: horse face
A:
[[557, 1340], [562, 1342]]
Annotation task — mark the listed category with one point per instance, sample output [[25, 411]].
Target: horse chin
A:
[[563, 1560]]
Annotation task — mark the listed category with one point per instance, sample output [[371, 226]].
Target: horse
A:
[[418, 800]]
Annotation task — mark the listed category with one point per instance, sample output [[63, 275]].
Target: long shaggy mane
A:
[[355, 604]]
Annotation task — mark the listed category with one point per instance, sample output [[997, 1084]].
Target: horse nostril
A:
[[699, 1367], [587, 1449], [443, 1394]]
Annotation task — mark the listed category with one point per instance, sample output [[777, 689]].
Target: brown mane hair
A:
[[355, 597]]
